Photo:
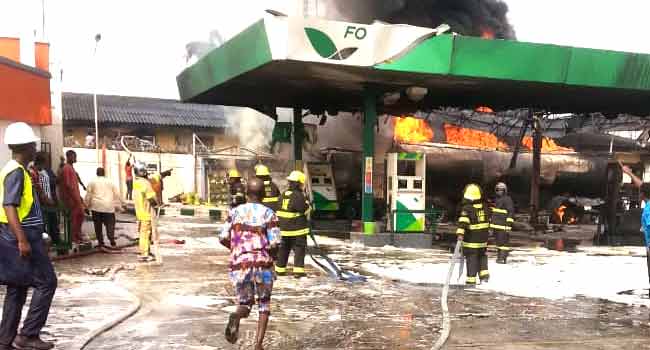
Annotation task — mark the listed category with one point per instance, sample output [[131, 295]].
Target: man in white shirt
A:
[[102, 198], [90, 140]]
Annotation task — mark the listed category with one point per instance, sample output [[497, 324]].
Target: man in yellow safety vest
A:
[[25, 262]]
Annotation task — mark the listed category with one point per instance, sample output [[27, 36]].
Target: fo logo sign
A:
[[325, 46], [359, 33]]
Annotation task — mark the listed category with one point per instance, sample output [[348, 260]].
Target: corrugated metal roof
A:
[[78, 107]]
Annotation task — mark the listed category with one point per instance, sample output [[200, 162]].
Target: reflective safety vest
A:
[[293, 214], [501, 214], [271, 195], [473, 224], [27, 199]]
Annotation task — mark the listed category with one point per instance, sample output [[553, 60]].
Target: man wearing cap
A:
[[24, 262], [237, 191], [271, 191], [294, 226]]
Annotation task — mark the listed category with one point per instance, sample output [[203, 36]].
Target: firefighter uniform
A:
[[237, 190], [271, 192], [294, 226], [473, 229], [501, 220]]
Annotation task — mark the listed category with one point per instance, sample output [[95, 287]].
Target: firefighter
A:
[[237, 191], [473, 230], [294, 226], [271, 191], [144, 200], [501, 221]]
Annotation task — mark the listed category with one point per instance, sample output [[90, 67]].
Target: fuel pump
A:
[[321, 188], [406, 189]]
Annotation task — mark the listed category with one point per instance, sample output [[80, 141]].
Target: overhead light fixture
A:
[[416, 93], [391, 98]]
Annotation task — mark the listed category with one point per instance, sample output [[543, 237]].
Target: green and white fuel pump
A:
[[321, 188], [406, 189]]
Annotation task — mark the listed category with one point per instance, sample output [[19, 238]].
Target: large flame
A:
[[548, 145], [472, 138], [412, 130]]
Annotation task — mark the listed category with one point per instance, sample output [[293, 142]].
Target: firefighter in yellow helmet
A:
[[237, 190], [294, 226], [473, 230], [271, 192]]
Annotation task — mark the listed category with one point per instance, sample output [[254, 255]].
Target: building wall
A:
[[24, 96], [182, 165]]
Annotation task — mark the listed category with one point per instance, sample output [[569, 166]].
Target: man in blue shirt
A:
[[644, 194], [24, 262]]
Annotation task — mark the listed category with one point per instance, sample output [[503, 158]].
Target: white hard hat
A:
[[19, 134]]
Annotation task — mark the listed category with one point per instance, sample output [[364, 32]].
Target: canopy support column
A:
[[537, 168], [369, 122], [298, 137]]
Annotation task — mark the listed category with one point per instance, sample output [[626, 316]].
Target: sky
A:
[[143, 42]]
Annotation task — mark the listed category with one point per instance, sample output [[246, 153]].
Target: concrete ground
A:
[[186, 301]]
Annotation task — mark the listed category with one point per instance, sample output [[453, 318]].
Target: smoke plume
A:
[[253, 129], [466, 17]]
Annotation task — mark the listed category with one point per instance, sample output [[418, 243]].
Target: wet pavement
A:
[[186, 301]]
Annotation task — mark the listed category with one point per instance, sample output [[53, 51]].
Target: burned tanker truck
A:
[[574, 178]]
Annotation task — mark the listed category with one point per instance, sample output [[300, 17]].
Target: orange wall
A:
[[10, 48], [24, 96], [42, 59]]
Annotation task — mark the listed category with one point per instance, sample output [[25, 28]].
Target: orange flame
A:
[[548, 145], [488, 34], [472, 138], [484, 109], [560, 212], [412, 130]]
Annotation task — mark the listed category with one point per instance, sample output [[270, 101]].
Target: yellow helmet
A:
[[297, 176], [233, 174], [262, 170], [472, 192]]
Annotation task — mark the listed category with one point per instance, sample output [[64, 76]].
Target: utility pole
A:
[[98, 37]]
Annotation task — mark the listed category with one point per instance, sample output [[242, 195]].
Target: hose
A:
[[136, 303], [446, 319]]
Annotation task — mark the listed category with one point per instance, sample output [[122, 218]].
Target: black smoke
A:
[[466, 17]]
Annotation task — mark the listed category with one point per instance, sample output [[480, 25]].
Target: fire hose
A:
[[136, 303], [333, 269], [446, 319]]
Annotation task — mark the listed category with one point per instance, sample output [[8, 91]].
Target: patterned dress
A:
[[250, 232]]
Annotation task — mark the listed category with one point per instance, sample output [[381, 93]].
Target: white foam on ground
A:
[[553, 275]]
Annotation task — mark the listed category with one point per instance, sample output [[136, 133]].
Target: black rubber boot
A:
[[501, 257]]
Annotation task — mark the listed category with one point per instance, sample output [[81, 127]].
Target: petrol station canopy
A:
[[317, 64]]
